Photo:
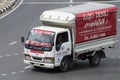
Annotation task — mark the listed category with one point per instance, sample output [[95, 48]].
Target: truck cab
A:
[[46, 46]]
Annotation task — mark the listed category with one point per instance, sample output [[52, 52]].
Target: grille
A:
[[36, 58]]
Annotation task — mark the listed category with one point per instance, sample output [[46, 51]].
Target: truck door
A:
[[63, 46]]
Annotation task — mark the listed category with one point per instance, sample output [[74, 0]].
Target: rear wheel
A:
[[94, 60]]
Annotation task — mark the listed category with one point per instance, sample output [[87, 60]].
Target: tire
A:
[[94, 60], [36, 68], [65, 65]]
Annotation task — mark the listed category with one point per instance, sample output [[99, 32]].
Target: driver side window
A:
[[61, 38]]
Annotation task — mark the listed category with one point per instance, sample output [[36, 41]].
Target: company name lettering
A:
[[97, 14], [98, 18]]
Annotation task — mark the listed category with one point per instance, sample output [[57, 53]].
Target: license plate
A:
[[36, 64]]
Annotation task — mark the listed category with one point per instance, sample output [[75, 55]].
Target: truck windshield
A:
[[40, 40]]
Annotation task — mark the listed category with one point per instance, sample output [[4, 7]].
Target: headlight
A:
[[27, 57], [48, 60]]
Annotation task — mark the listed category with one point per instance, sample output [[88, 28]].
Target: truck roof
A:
[[48, 28], [67, 16]]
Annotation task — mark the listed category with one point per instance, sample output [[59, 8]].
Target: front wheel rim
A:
[[64, 66]]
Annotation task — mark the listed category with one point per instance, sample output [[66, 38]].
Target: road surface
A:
[[18, 24]]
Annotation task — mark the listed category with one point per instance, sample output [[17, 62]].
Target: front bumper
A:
[[39, 64]]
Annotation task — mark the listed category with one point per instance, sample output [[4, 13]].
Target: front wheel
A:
[[36, 68], [64, 66], [94, 60]]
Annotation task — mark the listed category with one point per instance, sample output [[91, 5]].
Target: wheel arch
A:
[[101, 53]]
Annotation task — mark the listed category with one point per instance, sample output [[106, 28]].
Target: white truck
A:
[[72, 33]]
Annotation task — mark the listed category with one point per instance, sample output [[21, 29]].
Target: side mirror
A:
[[22, 39]]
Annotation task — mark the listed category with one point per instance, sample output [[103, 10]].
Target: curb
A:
[[8, 7]]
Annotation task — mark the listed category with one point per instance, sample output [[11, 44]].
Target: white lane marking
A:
[[118, 56], [27, 67], [1, 56], [113, 57], [15, 54], [22, 71], [71, 1], [13, 73], [51, 2], [118, 19], [47, 2], [3, 74], [8, 55], [13, 43], [30, 70], [12, 10], [61, 2]]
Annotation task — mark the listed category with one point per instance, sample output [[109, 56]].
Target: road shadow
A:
[[78, 66]]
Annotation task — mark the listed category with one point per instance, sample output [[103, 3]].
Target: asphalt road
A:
[[18, 23]]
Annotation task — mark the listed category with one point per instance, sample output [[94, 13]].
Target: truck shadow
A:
[[78, 66]]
